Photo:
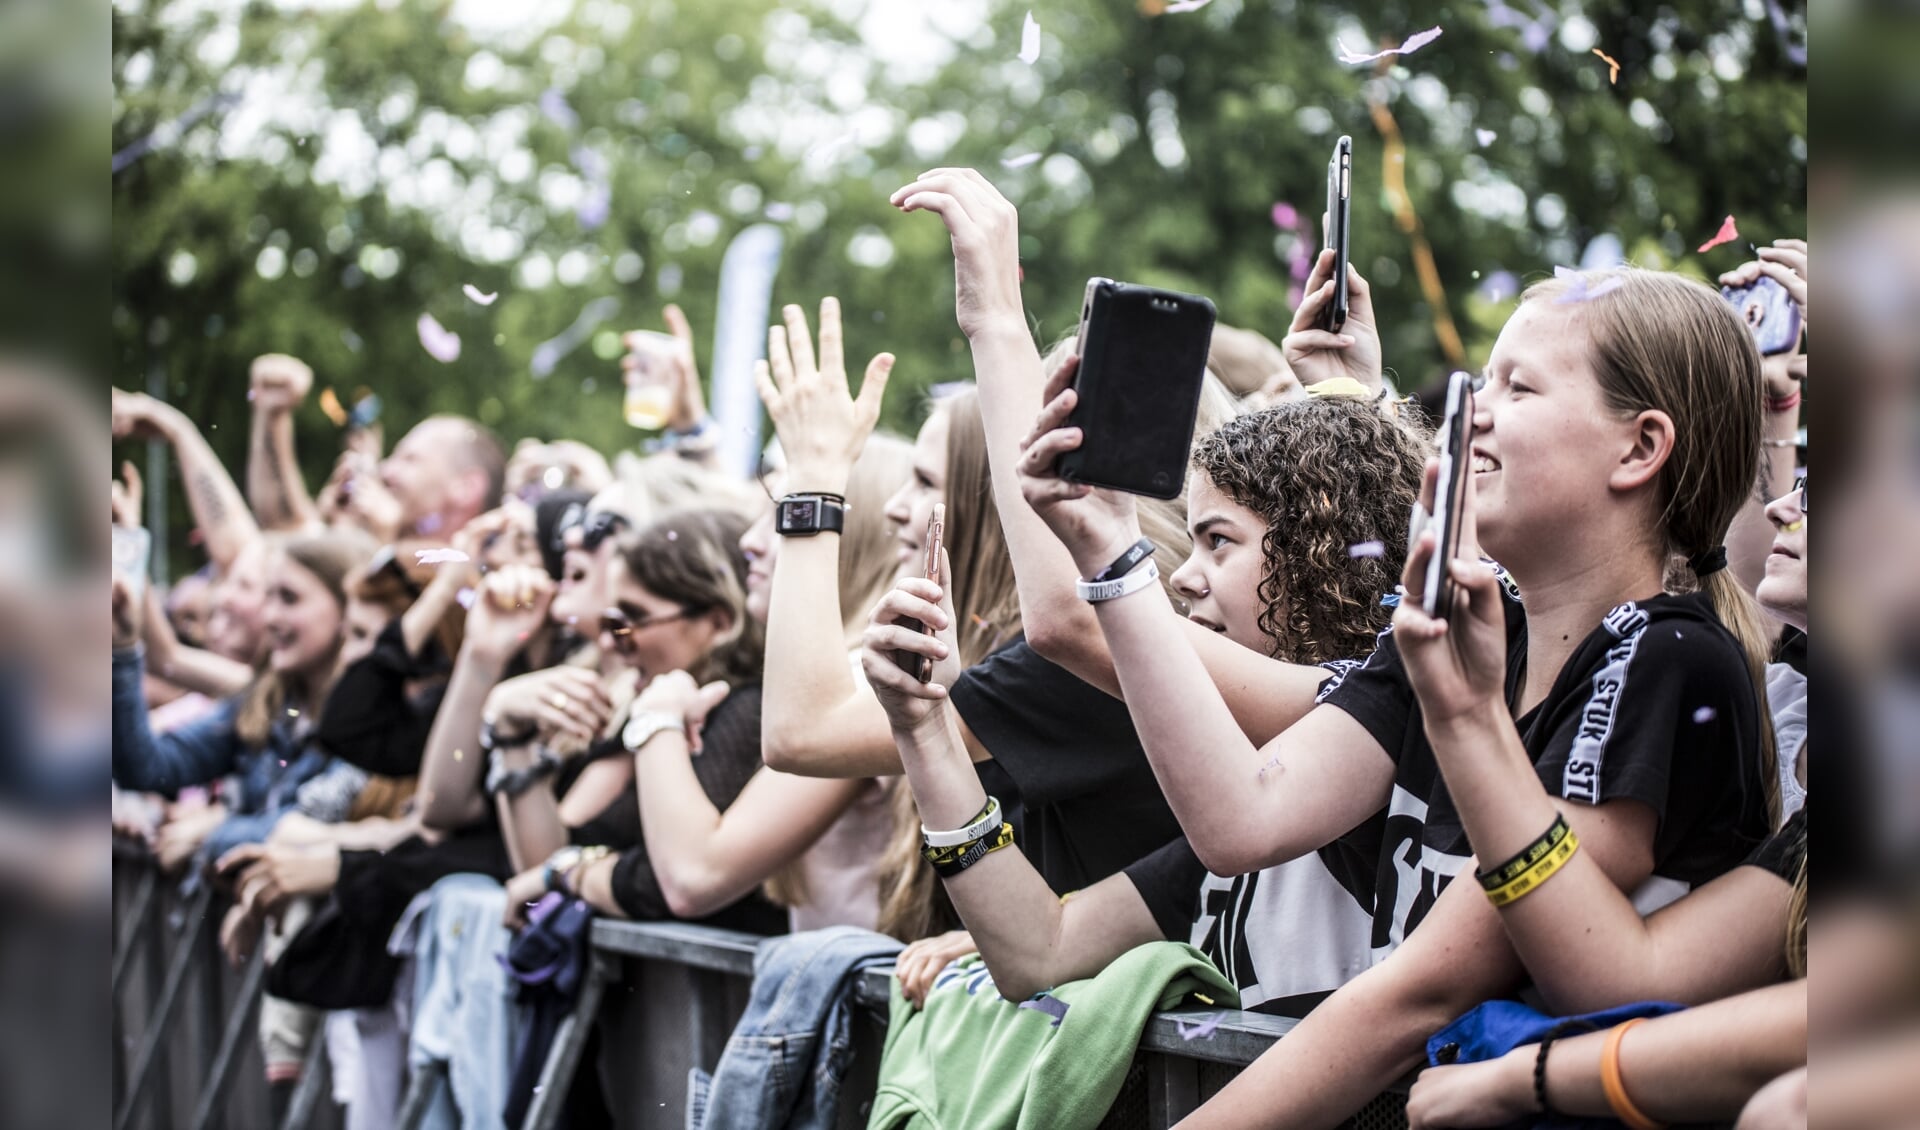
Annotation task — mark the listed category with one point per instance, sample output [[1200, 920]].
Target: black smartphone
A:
[[1338, 220], [1770, 313], [1143, 356], [912, 662], [1450, 493]]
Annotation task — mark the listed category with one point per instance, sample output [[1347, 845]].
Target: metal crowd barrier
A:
[[659, 998]]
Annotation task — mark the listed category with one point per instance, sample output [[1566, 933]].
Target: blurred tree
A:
[[378, 158]]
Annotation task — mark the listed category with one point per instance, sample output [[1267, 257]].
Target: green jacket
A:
[[972, 1060]]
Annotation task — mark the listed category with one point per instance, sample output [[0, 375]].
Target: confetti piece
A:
[[553, 106], [1613, 66], [1485, 137], [440, 556], [1727, 234], [1030, 41], [169, 132], [1367, 549], [465, 598], [476, 294], [1272, 762], [1579, 290], [1703, 715], [1285, 215], [1414, 43], [441, 343], [549, 353], [1020, 162], [1179, 6], [330, 404], [1201, 1029]]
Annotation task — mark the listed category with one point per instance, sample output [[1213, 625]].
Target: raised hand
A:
[[139, 416], [1317, 355], [821, 425], [985, 229], [907, 701], [1096, 525], [278, 383], [512, 605], [1785, 262]]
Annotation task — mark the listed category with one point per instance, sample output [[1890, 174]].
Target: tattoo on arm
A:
[[206, 491]]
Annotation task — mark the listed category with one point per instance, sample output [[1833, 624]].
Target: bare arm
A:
[[279, 384], [218, 509], [452, 766], [193, 668], [1701, 1065], [1374, 1029]]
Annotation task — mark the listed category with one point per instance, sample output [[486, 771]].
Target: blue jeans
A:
[[788, 1055], [463, 1011]]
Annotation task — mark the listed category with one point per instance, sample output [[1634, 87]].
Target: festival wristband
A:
[[1494, 878], [1095, 592], [981, 825], [1538, 874], [1616, 1087], [1127, 562], [948, 866]]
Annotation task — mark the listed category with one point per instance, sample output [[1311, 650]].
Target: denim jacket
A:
[[786, 1059], [207, 750]]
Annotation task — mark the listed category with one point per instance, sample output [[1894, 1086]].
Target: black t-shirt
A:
[[1785, 852], [729, 757], [1654, 705], [370, 720], [1067, 767]]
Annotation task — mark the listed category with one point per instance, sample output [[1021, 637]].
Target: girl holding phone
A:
[[1615, 436]]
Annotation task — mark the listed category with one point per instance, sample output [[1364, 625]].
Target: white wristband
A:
[[988, 822], [1097, 591]]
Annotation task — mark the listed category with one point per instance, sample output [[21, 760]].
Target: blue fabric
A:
[[267, 780], [786, 1059], [547, 962], [1497, 1027], [463, 1012]]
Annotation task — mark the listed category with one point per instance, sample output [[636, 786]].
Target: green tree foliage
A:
[[1164, 142]]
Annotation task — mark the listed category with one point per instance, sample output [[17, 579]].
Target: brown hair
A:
[[331, 557], [393, 589], [1325, 474], [693, 558], [1666, 343]]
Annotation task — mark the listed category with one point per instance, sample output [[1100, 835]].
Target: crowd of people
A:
[[670, 694]]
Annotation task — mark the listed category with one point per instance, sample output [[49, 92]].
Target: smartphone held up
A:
[[1143, 358], [913, 663], [1338, 221], [1449, 494]]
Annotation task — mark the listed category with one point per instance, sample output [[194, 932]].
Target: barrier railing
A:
[[659, 998]]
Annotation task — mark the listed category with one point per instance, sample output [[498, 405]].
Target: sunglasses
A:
[[595, 528], [1800, 488], [623, 628]]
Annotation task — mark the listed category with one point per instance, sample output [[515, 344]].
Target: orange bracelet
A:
[[1615, 1087]]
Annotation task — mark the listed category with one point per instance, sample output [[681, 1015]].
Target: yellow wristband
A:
[[1537, 874]]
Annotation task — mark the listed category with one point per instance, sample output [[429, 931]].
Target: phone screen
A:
[[1456, 463], [1770, 312]]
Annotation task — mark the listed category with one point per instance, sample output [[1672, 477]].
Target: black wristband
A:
[[1540, 1062], [492, 739], [1127, 562]]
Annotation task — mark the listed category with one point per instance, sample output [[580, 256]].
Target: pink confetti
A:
[[1179, 6], [1485, 137], [1367, 549], [441, 343], [1414, 43], [440, 556], [1030, 41], [1285, 215], [1578, 289], [1201, 1029], [1020, 162], [1703, 715], [476, 294], [1727, 234]]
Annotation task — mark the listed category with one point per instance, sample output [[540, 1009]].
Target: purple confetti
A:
[[480, 296], [1579, 290], [1704, 715], [549, 353], [1030, 41], [429, 523], [1020, 162], [1367, 549], [1500, 286], [169, 132], [553, 105], [1201, 1029], [440, 556], [1414, 43], [465, 597], [594, 207], [1796, 52], [1285, 215], [441, 343], [1485, 137]]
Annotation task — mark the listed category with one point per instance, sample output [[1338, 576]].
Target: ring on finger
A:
[[561, 702]]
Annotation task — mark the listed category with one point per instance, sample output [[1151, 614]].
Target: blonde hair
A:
[[1666, 343], [667, 482], [332, 558]]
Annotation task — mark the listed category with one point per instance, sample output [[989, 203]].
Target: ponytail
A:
[[1743, 618]]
